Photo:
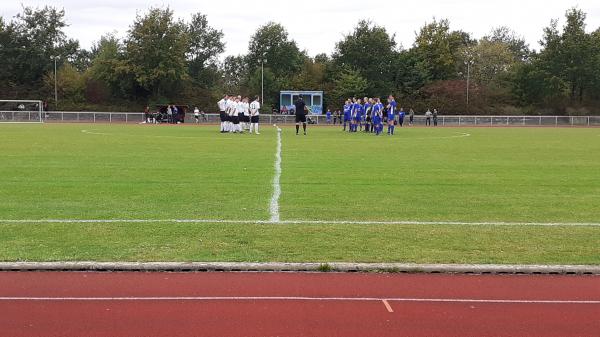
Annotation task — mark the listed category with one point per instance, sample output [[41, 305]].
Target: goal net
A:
[[21, 111]]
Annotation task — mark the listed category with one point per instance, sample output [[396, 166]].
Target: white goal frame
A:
[[22, 116]]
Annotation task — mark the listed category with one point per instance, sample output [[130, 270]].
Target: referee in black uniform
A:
[[301, 110]]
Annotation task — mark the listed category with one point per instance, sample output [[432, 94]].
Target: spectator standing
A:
[[428, 118], [435, 117], [197, 115], [147, 114], [169, 114], [175, 114], [411, 117], [328, 116], [401, 116]]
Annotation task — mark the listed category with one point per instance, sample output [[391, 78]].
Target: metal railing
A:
[[467, 121]]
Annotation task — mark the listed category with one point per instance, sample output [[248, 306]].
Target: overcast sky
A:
[[317, 25]]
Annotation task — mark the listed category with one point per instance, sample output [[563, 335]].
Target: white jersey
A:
[[241, 107], [231, 108], [235, 107], [223, 104], [196, 112], [246, 109], [254, 108]]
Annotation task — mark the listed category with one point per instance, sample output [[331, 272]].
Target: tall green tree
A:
[[205, 46], [272, 44], [235, 74], [569, 54], [156, 48], [515, 43], [492, 61], [372, 52], [30, 42], [438, 48], [349, 83], [109, 66]]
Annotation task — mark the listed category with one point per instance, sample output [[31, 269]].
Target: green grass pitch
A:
[[129, 172]]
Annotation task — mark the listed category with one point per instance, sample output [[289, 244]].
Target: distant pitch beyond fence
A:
[[443, 120]]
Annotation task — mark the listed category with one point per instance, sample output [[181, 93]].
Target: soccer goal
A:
[[21, 111]]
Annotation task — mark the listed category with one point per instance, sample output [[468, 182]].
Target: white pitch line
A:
[[90, 132], [459, 135], [297, 298], [304, 222], [274, 206]]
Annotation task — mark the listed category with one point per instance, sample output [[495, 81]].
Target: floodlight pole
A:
[[55, 84], [468, 64], [262, 82]]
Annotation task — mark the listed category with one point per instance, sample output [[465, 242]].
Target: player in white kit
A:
[[254, 115]]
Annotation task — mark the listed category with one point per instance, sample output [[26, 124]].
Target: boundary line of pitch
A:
[[303, 222]]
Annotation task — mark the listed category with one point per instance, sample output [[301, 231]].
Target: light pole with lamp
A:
[[55, 58], [468, 63], [262, 80]]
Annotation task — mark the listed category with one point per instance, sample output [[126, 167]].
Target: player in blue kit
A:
[[391, 115], [357, 113], [377, 109], [366, 117], [347, 115], [401, 116], [377, 119]]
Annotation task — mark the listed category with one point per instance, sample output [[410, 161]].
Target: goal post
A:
[[21, 111]]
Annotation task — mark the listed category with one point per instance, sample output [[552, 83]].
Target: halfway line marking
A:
[[304, 222], [274, 206], [298, 298]]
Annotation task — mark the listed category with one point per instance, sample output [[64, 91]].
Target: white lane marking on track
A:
[[301, 222], [297, 298], [387, 306], [274, 205]]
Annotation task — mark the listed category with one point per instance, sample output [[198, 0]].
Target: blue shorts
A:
[[357, 119]]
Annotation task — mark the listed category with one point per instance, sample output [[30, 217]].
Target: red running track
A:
[[296, 304]]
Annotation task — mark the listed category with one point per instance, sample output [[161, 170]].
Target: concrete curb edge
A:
[[301, 267]]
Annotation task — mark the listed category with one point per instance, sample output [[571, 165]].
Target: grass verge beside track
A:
[[300, 243]]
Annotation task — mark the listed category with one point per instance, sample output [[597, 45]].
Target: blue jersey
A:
[[377, 108], [392, 111], [347, 111], [328, 114], [376, 119], [367, 107], [357, 111], [402, 114]]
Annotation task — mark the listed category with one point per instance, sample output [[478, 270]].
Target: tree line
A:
[[165, 59]]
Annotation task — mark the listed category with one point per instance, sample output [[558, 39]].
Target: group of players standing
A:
[[237, 114], [371, 114]]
